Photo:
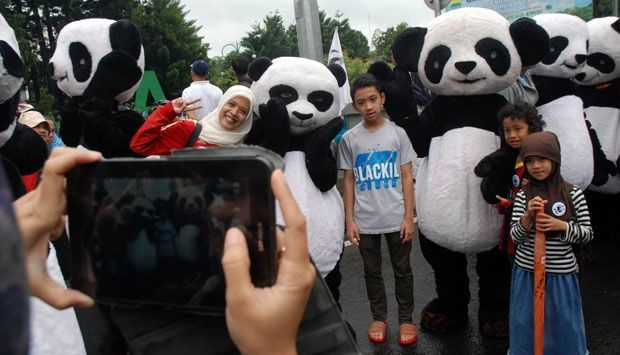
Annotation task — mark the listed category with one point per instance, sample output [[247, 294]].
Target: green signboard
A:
[[148, 84]]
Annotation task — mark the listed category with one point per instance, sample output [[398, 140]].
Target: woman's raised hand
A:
[[180, 105]]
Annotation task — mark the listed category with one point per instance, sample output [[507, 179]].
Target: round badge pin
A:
[[515, 180], [558, 209]]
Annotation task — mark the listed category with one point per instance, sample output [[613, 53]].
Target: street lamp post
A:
[[237, 48]]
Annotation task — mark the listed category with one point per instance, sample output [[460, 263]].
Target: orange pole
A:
[[539, 290]]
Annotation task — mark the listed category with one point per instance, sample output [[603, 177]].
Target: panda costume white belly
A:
[[564, 117], [450, 207], [324, 212], [54, 331]]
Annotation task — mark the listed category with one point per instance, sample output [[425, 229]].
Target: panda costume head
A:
[[97, 47], [469, 51], [568, 46], [99, 63], [21, 149], [309, 89], [603, 64]]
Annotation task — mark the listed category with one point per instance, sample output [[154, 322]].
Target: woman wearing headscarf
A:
[[225, 126]]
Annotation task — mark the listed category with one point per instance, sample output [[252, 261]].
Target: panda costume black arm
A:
[[91, 116]]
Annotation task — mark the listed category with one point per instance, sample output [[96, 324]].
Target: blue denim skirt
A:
[[564, 332]]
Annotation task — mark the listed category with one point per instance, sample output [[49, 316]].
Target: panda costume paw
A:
[[320, 161], [603, 167], [116, 72], [496, 170], [25, 149], [274, 119]]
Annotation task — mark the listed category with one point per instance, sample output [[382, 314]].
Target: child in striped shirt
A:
[[565, 221]]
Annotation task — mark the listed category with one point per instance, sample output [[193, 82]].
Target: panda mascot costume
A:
[[23, 152], [599, 82], [298, 117], [559, 102], [98, 63], [465, 57]]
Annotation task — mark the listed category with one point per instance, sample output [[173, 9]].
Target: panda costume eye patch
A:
[[13, 64], [287, 93], [435, 62], [322, 100], [495, 54], [81, 61], [602, 62], [556, 45]]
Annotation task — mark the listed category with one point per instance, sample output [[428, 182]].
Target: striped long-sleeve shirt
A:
[[559, 256]]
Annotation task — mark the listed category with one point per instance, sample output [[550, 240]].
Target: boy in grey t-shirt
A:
[[376, 156]]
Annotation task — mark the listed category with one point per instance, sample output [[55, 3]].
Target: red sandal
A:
[[407, 334], [377, 331]]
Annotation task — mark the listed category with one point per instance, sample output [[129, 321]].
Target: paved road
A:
[[600, 285]]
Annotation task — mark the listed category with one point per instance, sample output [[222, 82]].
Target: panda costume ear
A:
[[258, 67], [616, 25], [124, 35], [381, 70], [407, 47], [339, 73], [531, 40]]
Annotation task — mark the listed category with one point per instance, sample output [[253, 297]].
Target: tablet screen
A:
[[157, 238]]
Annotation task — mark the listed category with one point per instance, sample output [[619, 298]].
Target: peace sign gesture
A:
[[180, 105]]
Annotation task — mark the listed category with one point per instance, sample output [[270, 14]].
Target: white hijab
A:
[[212, 132]]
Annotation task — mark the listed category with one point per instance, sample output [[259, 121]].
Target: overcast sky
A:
[[227, 21]]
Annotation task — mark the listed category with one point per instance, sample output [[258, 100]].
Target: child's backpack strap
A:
[[194, 137]]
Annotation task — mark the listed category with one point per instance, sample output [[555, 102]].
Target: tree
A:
[[383, 40], [352, 41], [355, 67], [171, 43], [271, 39]]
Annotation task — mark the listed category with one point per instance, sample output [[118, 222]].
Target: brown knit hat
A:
[[544, 144]]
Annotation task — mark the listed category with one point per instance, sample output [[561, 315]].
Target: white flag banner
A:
[[336, 56]]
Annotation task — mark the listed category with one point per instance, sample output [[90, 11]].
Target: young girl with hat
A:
[[565, 221]]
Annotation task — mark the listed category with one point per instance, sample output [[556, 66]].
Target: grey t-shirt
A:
[[376, 157]]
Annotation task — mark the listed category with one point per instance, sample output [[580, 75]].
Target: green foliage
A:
[[171, 42], [602, 8], [382, 41], [45, 104], [355, 66], [584, 12], [351, 40], [270, 39], [226, 79]]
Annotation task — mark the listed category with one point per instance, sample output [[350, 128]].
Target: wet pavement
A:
[[600, 287]]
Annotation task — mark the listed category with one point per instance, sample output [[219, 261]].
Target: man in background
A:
[[200, 87]]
